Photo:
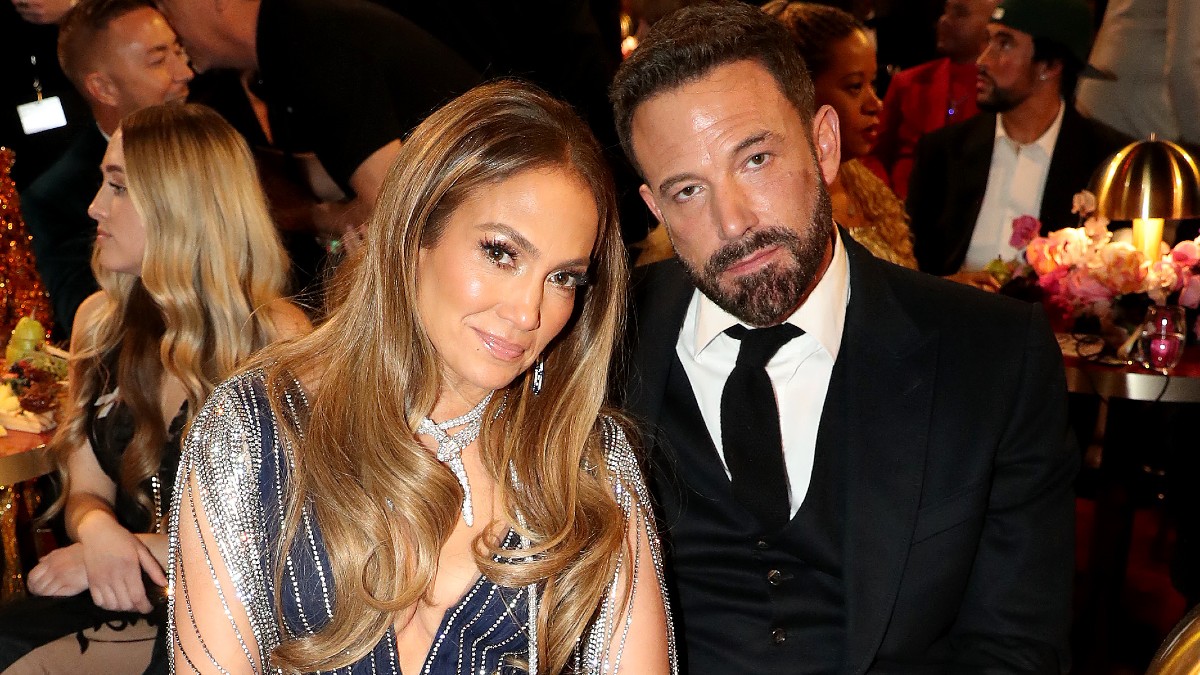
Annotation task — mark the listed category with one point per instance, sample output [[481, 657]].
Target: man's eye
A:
[[757, 159], [687, 192]]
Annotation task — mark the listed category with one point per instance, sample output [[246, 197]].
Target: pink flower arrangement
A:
[[1082, 271]]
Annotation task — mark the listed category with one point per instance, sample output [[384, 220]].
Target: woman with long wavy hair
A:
[[191, 275], [431, 482]]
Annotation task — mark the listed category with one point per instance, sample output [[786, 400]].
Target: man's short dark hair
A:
[[1048, 51], [690, 43], [80, 30]]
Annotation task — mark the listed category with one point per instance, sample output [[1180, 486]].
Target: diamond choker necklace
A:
[[450, 447]]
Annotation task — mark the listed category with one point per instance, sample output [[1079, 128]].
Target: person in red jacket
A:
[[929, 96]]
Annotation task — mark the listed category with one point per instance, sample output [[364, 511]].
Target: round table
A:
[[23, 457]]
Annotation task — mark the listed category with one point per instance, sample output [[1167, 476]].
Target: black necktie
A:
[[750, 426]]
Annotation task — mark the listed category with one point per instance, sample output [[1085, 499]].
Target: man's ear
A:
[[1050, 69], [102, 88], [827, 142], [648, 197]]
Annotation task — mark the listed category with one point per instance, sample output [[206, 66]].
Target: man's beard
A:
[[770, 295], [997, 100]]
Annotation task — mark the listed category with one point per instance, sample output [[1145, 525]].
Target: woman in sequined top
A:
[[841, 59], [191, 274], [431, 481]]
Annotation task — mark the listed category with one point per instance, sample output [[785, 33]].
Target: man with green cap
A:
[[1027, 154]]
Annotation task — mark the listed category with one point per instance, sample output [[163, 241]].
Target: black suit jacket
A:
[[950, 177], [55, 211], [959, 523]]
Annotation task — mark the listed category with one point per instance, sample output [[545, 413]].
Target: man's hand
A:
[[981, 280], [43, 11], [60, 573]]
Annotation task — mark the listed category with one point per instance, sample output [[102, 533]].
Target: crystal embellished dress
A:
[[241, 466]]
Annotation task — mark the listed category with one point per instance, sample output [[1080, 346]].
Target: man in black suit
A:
[[122, 56], [1029, 156], [891, 490]]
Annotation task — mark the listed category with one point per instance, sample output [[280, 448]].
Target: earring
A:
[[1043, 77], [539, 375]]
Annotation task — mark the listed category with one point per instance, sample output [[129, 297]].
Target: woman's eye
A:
[[570, 280], [117, 188], [499, 254]]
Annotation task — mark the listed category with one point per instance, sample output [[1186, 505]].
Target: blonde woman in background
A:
[[192, 275], [435, 483]]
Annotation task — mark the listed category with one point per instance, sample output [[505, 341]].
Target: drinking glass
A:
[[1162, 337]]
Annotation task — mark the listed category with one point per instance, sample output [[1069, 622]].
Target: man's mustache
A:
[[732, 252]]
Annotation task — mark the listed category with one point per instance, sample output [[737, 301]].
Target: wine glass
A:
[[1162, 337]]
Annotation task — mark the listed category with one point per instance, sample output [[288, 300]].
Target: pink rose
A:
[[1189, 295], [1039, 255], [1053, 281], [1086, 289], [1074, 245], [1083, 203], [1024, 229], [1186, 253], [1096, 228], [1119, 266], [1163, 278]]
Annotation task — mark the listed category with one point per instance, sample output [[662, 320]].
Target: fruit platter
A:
[[33, 381]]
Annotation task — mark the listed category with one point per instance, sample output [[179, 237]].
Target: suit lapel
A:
[[662, 292], [890, 367], [970, 168], [976, 166], [1065, 169]]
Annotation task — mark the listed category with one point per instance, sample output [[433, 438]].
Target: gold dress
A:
[[886, 233]]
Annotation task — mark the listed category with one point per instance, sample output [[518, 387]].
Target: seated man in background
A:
[[1028, 155], [927, 97], [343, 79], [122, 56]]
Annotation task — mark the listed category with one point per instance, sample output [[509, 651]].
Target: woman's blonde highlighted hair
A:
[[213, 263], [385, 505]]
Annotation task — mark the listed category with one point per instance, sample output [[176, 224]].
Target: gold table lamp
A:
[[1148, 182]]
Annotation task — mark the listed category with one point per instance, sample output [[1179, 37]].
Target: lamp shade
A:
[[1148, 179]]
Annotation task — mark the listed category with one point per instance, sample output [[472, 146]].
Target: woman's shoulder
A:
[[620, 458], [240, 411], [289, 320], [89, 312]]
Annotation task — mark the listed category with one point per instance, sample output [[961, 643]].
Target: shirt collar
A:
[[822, 315], [1048, 138]]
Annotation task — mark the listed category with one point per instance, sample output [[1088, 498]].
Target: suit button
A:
[[762, 545], [775, 577], [778, 636]]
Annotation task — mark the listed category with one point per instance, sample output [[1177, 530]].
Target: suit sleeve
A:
[[926, 197], [62, 248], [1016, 612]]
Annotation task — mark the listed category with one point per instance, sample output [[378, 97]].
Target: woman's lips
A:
[[499, 347]]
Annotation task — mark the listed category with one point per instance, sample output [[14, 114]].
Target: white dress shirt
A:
[[1016, 184], [799, 372]]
